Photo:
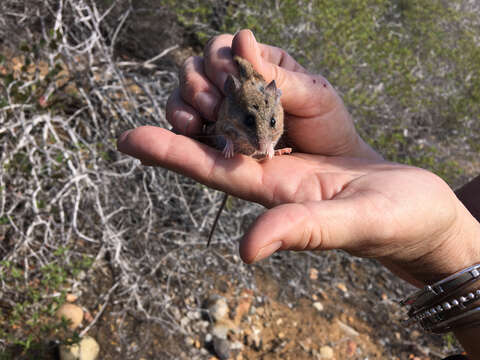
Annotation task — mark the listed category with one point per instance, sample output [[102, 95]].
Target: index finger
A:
[[240, 176], [219, 52]]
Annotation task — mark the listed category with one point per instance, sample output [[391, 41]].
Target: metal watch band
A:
[[445, 286], [442, 307]]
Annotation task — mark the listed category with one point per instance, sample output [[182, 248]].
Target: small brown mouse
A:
[[250, 119]]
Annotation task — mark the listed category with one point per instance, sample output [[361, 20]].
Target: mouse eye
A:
[[249, 120], [273, 122]]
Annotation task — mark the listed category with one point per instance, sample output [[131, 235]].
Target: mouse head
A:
[[254, 108]]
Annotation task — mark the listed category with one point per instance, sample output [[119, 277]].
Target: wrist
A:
[[459, 249]]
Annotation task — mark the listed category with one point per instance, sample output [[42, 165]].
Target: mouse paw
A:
[[283, 151], [228, 150]]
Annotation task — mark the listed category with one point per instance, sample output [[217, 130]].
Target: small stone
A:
[[313, 274], [222, 348], [342, 287], [86, 349], [193, 315], [197, 344], [281, 335], [348, 329], [318, 306], [236, 345], [219, 310], [256, 339], [189, 341], [351, 348], [415, 334], [222, 328], [71, 298], [326, 352], [279, 321], [71, 312]]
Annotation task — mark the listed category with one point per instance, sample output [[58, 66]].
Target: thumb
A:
[[323, 225], [298, 87]]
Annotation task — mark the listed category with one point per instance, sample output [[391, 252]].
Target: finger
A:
[[184, 118], [219, 59], [241, 176], [323, 225], [197, 91], [245, 45], [298, 87]]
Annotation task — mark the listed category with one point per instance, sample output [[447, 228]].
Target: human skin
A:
[[335, 192]]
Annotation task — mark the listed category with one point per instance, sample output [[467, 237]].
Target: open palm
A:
[[368, 208]]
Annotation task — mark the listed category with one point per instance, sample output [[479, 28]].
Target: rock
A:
[[221, 347], [219, 309], [347, 329], [256, 339], [71, 312], [313, 274], [193, 315], [189, 341], [342, 287], [236, 346], [351, 348], [318, 305], [71, 298], [222, 328], [326, 352], [86, 349]]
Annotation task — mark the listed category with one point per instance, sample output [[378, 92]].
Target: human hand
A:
[[316, 119], [406, 217]]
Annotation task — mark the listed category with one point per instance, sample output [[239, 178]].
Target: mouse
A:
[[250, 119]]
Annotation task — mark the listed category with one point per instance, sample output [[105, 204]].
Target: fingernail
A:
[[182, 120], [122, 138], [267, 250], [206, 104]]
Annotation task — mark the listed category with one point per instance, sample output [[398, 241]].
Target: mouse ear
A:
[[272, 90], [232, 84]]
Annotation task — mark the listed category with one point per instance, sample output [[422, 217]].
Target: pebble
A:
[[347, 329], [342, 287], [71, 312], [222, 348], [222, 328], [318, 305], [313, 274], [86, 349], [189, 341], [71, 298], [219, 309], [326, 352]]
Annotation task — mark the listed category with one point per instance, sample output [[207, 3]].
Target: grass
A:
[[399, 64]]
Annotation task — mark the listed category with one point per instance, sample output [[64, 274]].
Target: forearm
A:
[[469, 195]]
